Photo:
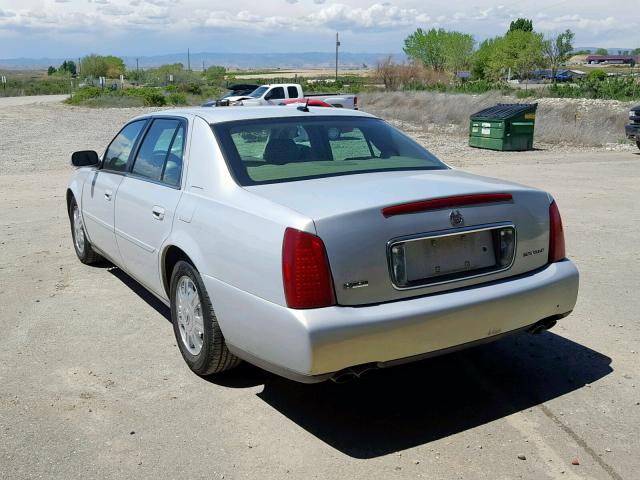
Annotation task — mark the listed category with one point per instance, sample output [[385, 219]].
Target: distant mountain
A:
[[229, 60]]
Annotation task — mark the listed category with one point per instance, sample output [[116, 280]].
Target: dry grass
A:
[[574, 121]]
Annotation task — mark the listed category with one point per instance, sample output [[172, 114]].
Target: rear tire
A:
[[81, 243], [195, 325]]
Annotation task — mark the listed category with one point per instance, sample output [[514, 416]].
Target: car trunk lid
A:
[[443, 251]]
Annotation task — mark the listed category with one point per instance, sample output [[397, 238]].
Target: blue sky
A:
[[58, 28]]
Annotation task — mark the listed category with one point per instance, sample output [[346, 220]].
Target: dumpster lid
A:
[[502, 111]]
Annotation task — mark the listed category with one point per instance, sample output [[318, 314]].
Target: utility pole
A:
[[188, 60], [337, 45], [137, 66]]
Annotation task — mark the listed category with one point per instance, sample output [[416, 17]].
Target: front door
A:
[[147, 200], [98, 195]]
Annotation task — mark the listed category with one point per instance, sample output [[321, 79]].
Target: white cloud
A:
[[376, 16], [300, 23]]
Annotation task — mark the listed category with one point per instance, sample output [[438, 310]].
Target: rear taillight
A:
[[355, 103], [305, 271], [556, 235]]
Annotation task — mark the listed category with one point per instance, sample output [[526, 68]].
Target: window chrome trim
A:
[[134, 154], [134, 147], [449, 233]]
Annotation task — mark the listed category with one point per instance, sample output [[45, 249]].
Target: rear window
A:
[[290, 149]]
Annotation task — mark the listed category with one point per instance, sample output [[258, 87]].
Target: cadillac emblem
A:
[[456, 218]]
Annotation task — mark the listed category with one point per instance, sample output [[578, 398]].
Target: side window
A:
[[276, 94], [117, 154], [161, 150], [292, 91], [349, 144], [173, 167]]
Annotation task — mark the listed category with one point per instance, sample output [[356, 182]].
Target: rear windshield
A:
[[289, 149]]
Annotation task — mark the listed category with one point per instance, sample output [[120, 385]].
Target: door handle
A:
[[108, 194], [157, 212]]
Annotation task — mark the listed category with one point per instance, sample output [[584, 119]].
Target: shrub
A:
[[154, 99], [177, 99], [192, 88], [596, 75], [83, 94]]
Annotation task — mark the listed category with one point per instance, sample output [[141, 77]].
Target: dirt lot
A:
[[93, 386]]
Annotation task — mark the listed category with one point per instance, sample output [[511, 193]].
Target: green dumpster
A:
[[504, 127]]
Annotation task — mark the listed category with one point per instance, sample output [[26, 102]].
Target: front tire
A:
[[638, 143], [81, 243], [195, 325]]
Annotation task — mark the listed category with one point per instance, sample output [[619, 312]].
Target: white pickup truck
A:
[[281, 93]]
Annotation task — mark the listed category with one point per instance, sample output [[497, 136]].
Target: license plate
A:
[[449, 257]]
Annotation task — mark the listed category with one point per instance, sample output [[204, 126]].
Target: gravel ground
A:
[[92, 385]]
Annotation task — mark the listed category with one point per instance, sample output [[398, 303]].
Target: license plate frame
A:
[[481, 265]]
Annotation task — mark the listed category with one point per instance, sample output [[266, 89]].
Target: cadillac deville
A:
[[315, 242]]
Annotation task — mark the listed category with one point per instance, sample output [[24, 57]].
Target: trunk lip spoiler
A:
[[445, 202]]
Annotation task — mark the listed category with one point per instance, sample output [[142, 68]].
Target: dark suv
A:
[[633, 129]]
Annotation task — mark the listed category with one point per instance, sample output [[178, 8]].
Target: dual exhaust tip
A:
[[359, 371]]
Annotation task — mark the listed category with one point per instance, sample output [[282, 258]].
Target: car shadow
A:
[[397, 408], [402, 407], [139, 290]]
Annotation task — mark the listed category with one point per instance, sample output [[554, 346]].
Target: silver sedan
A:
[[315, 242]]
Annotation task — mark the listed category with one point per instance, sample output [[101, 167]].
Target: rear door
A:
[[98, 194], [293, 92], [147, 199]]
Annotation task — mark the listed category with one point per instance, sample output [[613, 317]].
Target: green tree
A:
[[102, 66], [602, 51], [426, 47], [215, 75], [458, 50], [68, 66], [93, 66], [51, 70], [481, 58], [518, 51], [636, 51], [439, 49], [115, 66], [522, 24], [557, 51]]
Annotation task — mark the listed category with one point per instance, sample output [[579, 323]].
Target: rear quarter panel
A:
[[230, 234]]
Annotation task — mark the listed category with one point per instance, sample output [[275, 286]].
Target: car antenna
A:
[[306, 106]]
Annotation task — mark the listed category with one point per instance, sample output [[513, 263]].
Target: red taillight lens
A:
[[305, 271], [556, 234], [355, 103]]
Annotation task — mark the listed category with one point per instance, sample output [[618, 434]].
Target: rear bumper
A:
[[310, 345], [632, 131]]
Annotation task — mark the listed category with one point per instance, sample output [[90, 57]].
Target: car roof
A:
[[227, 114]]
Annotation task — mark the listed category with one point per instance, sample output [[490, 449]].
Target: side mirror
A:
[[85, 158]]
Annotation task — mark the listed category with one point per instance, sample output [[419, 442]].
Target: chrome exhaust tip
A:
[[542, 325], [351, 373]]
